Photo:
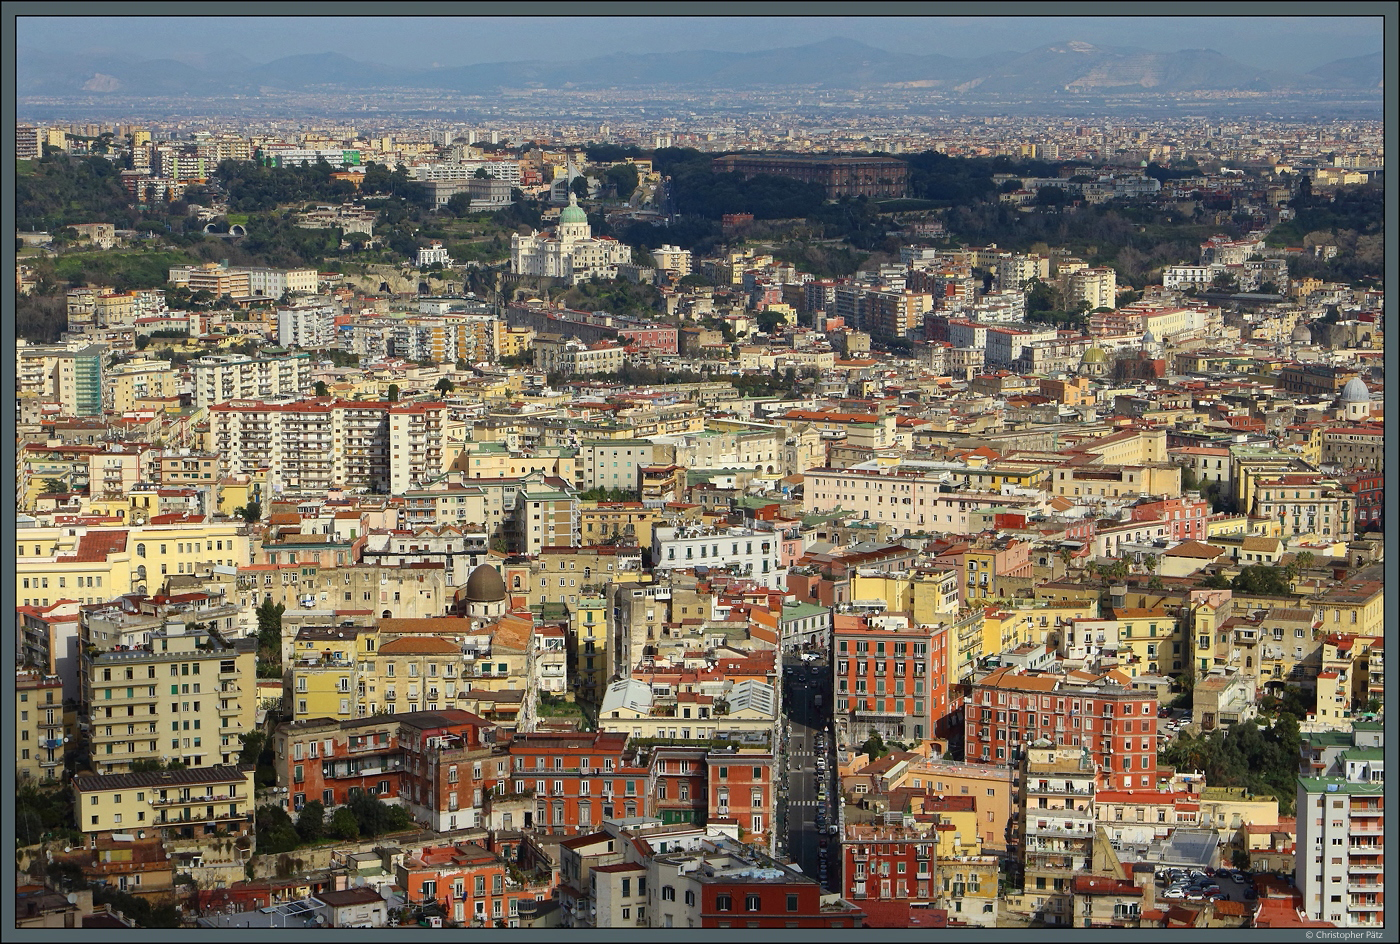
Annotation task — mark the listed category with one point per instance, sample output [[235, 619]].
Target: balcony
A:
[[196, 801], [1362, 888], [1059, 790]]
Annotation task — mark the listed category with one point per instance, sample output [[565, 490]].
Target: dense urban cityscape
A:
[[638, 506]]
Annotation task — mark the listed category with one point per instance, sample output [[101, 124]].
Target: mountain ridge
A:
[[1070, 66]]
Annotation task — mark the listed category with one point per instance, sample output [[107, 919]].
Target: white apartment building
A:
[[571, 356], [274, 283], [1338, 863], [1004, 343], [218, 379], [1097, 286], [436, 253], [1015, 270], [672, 259], [753, 554], [466, 170], [1186, 276], [314, 446], [308, 326]]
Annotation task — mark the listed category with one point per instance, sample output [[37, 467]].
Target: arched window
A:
[[140, 550]]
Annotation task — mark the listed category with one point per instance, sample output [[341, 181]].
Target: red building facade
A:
[[1010, 708]]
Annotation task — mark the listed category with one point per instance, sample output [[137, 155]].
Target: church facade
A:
[[569, 251]]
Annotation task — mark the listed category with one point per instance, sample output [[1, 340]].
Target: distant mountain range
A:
[[1057, 70]]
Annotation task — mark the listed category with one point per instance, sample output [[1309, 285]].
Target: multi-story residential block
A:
[[181, 694], [547, 515], [472, 885], [893, 681], [191, 804], [39, 728], [1115, 725], [69, 376], [912, 501], [747, 552], [1057, 826], [1340, 862], [741, 791], [224, 378], [1304, 504], [1097, 286]]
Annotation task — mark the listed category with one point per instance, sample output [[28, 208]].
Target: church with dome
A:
[[569, 251], [484, 596], [1354, 402]]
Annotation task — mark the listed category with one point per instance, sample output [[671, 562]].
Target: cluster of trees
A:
[[42, 811], [61, 190], [364, 817], [1263, 760], [619, 297], [601, 494], [696, 189]]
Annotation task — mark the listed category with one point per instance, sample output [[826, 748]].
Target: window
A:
[[722, 902], [752, 903], [792, 903]]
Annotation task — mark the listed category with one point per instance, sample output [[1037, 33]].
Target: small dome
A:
[[1148, 337], [1355, 391], [573, 213], [1301, 334], [485, 586], [1095, 355]]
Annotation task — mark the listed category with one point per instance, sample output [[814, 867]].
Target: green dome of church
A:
[[573, 213]]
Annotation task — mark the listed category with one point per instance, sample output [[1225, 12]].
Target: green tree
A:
[[311, 822], [269, 616], [252, 744], [481, 173], [393, 393], [461, 363], [344, 824], [579, 186], [444, 386], [321, 389], [874, 746], [275, 831], [54, 487]]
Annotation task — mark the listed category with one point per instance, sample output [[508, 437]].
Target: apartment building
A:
[[1304, 505], [891, 680], [317, 445], [473, 886], [1097, 286], [67, 375], [1010, 708], [750, 553], [1339, 860], [1056, 828], [131, 716], [741, 791], [547, 515], [219, 379], [39, 729], [173, 805], [910, 500]]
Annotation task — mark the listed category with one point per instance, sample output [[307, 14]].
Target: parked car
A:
[[1251, 895], [1239, 878], [1174, 893]]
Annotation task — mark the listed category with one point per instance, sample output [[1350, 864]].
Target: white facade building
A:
[[220, 379], [752, 554], [569, 252]]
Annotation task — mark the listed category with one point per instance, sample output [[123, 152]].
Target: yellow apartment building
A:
[[182, 695]]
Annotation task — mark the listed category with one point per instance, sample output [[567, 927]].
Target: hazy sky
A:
[[1296, 43]]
